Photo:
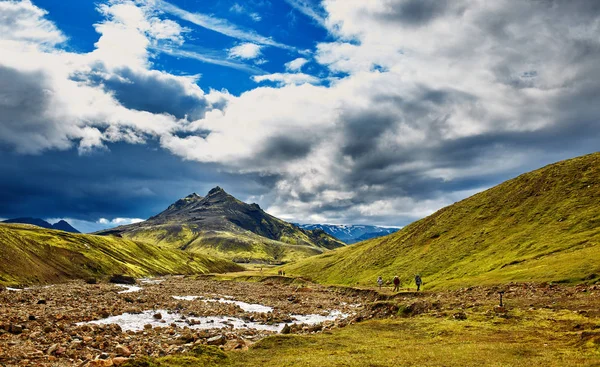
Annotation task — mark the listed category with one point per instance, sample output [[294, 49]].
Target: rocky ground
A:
[[41, 326], [46, 326]]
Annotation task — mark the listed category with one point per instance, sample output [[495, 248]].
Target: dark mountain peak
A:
[[63, 225], [193, 196], [60, 225], [216, 191]]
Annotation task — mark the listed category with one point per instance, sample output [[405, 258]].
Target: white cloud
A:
[[119, 221], [219, 25], [24, 22], [287, 78], [307, 8], [245, 51], [211, 58], [51, 99], [296, 64], [240, 9]]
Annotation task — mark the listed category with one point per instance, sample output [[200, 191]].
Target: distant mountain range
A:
[[61, 225], [221, 225], [349, 233]]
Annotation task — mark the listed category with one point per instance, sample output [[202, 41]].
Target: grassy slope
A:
[[30, 254], [230, 245], [540, 226]]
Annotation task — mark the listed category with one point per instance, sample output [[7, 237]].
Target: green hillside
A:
[[30, 254], [221, 225], [541, 226]]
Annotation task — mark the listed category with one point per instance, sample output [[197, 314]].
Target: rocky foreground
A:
[[58, 325], [48, 325]]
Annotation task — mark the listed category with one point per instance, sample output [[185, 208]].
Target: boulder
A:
[[122, 279], [122, 350], [217, 340], [118, 361]]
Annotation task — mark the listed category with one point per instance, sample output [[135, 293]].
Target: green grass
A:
[[524, 339], [540, 226], [30, 254], [236, 246]]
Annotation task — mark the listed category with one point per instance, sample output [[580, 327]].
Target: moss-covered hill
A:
[[30, 254], [221, 225], [541, 226]]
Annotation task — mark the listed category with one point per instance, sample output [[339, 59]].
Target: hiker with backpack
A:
[[418, 282], [396, 284], [380, 282]]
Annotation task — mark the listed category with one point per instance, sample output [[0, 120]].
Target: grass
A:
[[30, 254], [523, 339], [540, 226]]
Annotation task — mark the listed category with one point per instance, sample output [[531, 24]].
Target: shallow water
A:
[[248, 307], [151, 281], [136, 322], [130, 288]]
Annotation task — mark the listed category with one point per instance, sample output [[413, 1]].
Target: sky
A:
[[334, 111]]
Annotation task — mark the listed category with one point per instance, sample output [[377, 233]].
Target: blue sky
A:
[[277, 20], [322, 111]]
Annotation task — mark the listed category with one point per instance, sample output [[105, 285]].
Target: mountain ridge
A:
[[61, 225], [351, 233]]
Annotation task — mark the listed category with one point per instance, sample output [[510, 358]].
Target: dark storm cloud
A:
[[286, 148], [24, 99], [134, 181], [417, 12], [151, 91]]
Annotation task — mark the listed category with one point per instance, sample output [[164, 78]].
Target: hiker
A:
[[380, 282], [418, 282], [396, 284]]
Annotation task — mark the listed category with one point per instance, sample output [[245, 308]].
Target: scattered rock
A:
[[91, 281], [157, 316], [41, 302], [286, 329]]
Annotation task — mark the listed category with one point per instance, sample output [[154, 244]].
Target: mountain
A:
[[349, 233], [31, 254], [60, 225], [221, 225], [541, 226]]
